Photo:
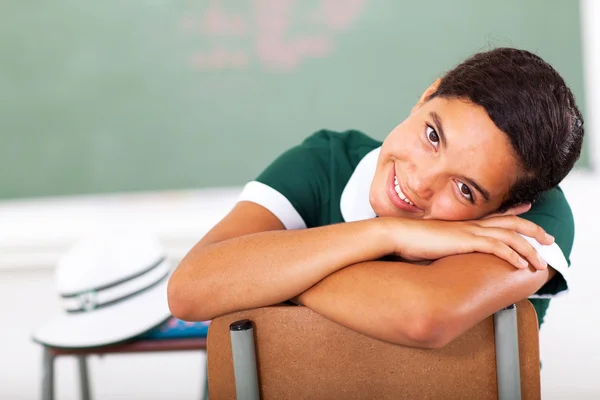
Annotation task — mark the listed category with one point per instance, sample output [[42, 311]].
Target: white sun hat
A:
[[112, 287]]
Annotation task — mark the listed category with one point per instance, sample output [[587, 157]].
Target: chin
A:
[[380, 207]]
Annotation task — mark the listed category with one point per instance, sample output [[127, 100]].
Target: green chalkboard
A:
[[113, 95]]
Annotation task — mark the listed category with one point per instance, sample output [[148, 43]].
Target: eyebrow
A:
[[484, 193], [440, 130], [438, 126]]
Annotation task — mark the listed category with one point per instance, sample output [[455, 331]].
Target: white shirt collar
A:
[[354, 203]]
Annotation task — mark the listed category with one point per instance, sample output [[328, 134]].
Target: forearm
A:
[[269, 267], [424, 306], [370, 298]]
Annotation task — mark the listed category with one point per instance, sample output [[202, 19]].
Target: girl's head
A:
[[495, 132]]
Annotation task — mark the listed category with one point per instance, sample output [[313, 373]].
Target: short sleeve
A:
[[553, 213], [294, 186]]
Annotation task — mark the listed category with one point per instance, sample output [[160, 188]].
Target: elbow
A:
[[183, 301], [178, 304], [425, 333], [426, 330]]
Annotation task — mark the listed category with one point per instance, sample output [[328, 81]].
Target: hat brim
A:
[[108, 325]]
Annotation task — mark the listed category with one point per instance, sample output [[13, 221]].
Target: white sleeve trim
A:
[[273, 201], [555, 258]]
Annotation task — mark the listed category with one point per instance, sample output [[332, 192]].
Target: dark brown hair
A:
[[529, 101]]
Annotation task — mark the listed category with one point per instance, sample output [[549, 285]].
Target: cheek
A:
[[377, 190], [445, 206], [404, 144]]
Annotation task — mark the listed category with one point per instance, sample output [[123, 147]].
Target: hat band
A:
[[111, 294]]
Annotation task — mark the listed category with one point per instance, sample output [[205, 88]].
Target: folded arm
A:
[[248, 260], [421, 306]]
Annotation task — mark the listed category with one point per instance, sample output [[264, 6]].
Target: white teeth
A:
[[399, 192]]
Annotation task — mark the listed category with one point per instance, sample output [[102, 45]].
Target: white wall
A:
[[568, 338]]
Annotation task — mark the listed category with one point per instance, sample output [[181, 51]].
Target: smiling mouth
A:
[[401, 195]]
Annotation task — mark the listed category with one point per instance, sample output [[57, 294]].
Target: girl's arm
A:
[[248, 260], [421, 306]]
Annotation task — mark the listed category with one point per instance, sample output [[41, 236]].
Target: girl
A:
[[341, 222]]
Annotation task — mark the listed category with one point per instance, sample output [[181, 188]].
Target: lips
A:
[[397, 195], [400, 193]]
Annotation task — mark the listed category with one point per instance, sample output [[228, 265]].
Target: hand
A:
[[516, 210], [498, 234]]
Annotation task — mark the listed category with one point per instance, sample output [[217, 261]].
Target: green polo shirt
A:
[[326, 180]]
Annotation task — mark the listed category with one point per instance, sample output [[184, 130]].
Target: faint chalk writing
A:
[[276, 34], [220, 57]]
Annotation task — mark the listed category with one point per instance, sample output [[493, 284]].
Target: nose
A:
[[421, 181]]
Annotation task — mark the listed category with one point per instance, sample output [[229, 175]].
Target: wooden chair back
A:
[[301, 355]]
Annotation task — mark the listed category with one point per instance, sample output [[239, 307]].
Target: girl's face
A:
[[448, 159]]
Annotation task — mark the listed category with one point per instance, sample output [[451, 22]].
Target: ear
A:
[[428, 92]]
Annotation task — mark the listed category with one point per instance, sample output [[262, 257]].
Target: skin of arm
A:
[[249, 260], [421, 306]]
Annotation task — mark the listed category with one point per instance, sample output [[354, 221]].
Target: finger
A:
[[516, 210], [519, 225], [486, 244], [494, 215], [518, 244]]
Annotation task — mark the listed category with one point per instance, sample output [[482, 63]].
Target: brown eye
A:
[[432, 136], [466, 192]]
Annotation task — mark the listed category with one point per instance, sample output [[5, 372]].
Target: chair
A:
[[288, 352], [173, 335]]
